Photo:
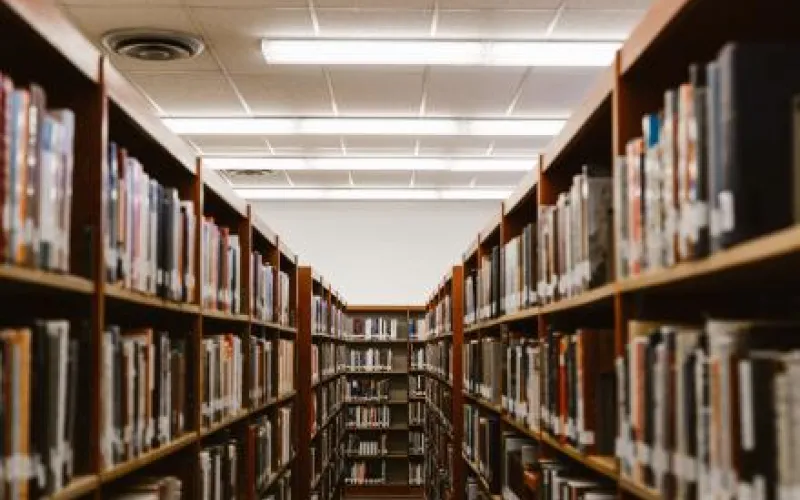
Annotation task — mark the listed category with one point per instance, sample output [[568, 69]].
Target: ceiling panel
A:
[[247, 3], [596, 24], [377, 91], [381, 179], [96, 20], [494, 23], [499, 4], [115, 3], [286, 91], [257, 179], [319, 178], [519, 146], [379, 146], [306, 145], [364, 23], [375, 4], [554, 92], [608, 4], [230, 144], [471, 91], [442, 179], [236, 33], [457, 146], [190, 94], [498, 179]]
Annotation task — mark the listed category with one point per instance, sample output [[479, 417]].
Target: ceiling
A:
[[231, 79]]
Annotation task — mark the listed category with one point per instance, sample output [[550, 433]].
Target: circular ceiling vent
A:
[[153, 44]]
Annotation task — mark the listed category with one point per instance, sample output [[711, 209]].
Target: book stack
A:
[[220, 469], [361, 390], [152, 488], [417, 358], [416, 413], [319, 315], [490, 286], [575, 237], [440, 396], [370, 417], [358, 446], [709, 409], [471, 296], [285, 317], [521, 454], [482, 444], [283, 435], [39, 380], [416, 442], [522, 394], [259, 433], [262, 300], [323, 361], [222, 377], [36, 169], [148, 231], [261, 383], [483, 369], [519, 280], [416, 474], [684, 189], [220, 267], [377, 328], [367, 472], [439, 320], [439, 359], [371, 359], [416, 386], [144, 396], [285, 366], [326, 401], [578, 384], [338, 321], [417, 329]]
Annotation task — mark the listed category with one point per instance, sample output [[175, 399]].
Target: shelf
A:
[[638, 490], [391, 428], [327, 422], [78, 487], [224, 423], [148, 458], [388, 456], [274, 326], [587, 298], [35, 278], [273, 402], [372, 403], [393, 373], [117, 292], [377, 341], [325, 380], [484, 403], [438, 377], [606, 466], [225, 316], [481, 480], [277, 475]]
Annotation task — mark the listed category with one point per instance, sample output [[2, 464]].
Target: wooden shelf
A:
[[377, 341], [438, 377], [481, 480], [587, 298], [78, 487], [638, 490], [274, 402], [373, 403], [327, 379], [148, 458], [225, 316], [393, 373], [277, 475], [116, 292], [274, 326], [224, 423], [327, 421], [606, 466], [388, 456], [16, 276], [391, 428], [486, 405]]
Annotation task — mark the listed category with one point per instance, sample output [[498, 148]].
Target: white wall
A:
[[379, 252]]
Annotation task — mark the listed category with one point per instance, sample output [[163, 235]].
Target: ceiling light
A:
[[410, 194], [481, 164], [366, 126], [438, 52]]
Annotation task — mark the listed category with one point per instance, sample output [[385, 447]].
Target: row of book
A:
[[151, 488], [416, 442], [220, 267], [482, 443], [39, 379], [36, 170], [369, 416], [271, 438], [220, 470], [416, 474], [223, 363], [711, 409], [483, 368], [326, 401], [328, 446], [263, 299], [416, 412], [368, 390], [358, 446], [271, 369], [416, 386], [417, 329], [143, 401], [417, 361], [519, 279], [367, 472], [685, 188], [327, 359], [439, 358], [369, 359], [440, 398], [320, 317], [439, 320], [148, 232], [575, 236], [375, 328]]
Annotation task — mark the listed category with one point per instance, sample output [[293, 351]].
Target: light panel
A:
[[438, 52], [411, 194], [480, 164], [489, 127]]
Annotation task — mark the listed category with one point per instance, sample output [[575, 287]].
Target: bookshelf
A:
[[174, 320], [617, 306]]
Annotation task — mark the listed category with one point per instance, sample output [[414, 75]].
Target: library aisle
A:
[[624, 326]]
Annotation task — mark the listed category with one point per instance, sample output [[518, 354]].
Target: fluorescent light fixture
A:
[[522, 127], [480, 164], [438, 52], [409, 194]]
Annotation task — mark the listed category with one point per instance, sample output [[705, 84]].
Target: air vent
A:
[[153, 44]]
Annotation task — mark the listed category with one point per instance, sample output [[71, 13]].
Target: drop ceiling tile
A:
[[120, 3], [596, 24], [190, 94], [494, 23], [297, 4], [442, 179], [454, 146], [273, 179], [554, 92], [230, 144], [498, 179], [499, 4], [378, 179], [95, 20], [379, 146], [305, 145], [519, 146], [471, 91], [299, 90], [236, 33], [378, 90], [319, 178], [608, 4], [375, 4], [365, 23]]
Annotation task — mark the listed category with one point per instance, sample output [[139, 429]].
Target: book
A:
[[222, 378], [221, 253]]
